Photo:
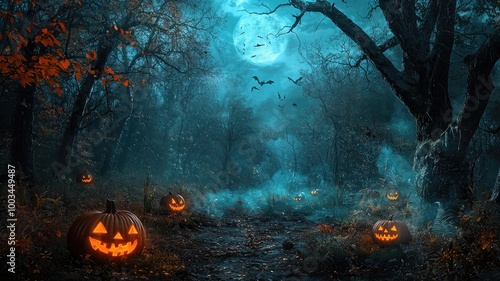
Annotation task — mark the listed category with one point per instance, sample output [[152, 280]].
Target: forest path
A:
[[247, 247]]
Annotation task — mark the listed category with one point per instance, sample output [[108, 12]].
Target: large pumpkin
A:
[[390, 233], [108, 235], [173, 202]]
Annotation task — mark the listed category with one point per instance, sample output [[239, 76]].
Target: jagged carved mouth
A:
[[175, 208], [114, 249], [386, 237]]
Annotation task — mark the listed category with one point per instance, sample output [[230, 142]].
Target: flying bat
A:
[[279, 96], [294, 104], [253, 56], [259, 45], [262, 83], [295, 81], [242, 33], [254, 88]]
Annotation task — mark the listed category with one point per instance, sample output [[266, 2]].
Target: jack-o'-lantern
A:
[[173, 202], [109, 235], [392, 194], [390, 233], [299, 197], [315, 191], [84, 177]]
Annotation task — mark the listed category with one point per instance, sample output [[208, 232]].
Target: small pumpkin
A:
[[173, 202], [299, 197], [390, 232], [84, 177], [108, 235], [392, 194]]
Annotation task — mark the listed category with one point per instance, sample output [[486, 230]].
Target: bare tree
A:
[[427, 38]]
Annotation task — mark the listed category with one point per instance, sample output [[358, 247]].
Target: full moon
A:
[[255, 40]]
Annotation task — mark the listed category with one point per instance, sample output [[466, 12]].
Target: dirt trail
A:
[[247, 247]]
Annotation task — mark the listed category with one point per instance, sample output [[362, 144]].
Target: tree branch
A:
[[404, 27], [392, 42], [479, 86], [403, 85], [428, 24]]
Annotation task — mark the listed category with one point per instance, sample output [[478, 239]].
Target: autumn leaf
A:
[[64, 63], [92, 55], [78, 75], [133, 44], [62, 26], [103, 82], [58, 233], [126, 83]]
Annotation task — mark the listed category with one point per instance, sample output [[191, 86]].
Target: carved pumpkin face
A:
[[392, 194], [390, 233], [173, 202], [84, 177], [299, 197], [107, 235], [314, 191]]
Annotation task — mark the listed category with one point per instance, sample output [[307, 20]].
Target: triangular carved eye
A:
[[393, 228], [173, 201], [133, 230], [380, 228], [118, 236], [100, 229]]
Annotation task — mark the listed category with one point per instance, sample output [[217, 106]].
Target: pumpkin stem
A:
[[390, 218], [110, 206], [170, 193]]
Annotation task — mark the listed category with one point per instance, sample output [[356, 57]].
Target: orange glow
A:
[[114, 249]]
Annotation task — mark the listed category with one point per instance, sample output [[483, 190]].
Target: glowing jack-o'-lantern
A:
[[299, 197], [84, 177], [315, 191], [173, 202], [392, 194], [108, 235], [390, 233]]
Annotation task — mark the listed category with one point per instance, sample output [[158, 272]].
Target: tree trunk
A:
[[22, 133], [116, 134], [441, 170], [65, 151], [495, 194]]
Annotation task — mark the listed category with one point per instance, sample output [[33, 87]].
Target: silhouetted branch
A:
[[392, 42]]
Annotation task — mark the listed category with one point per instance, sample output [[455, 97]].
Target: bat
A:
[[253, 56], [295, 81], [262, 83], [279, 96], [294, 104], [259, 45], [242, 33], [254, 88]]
